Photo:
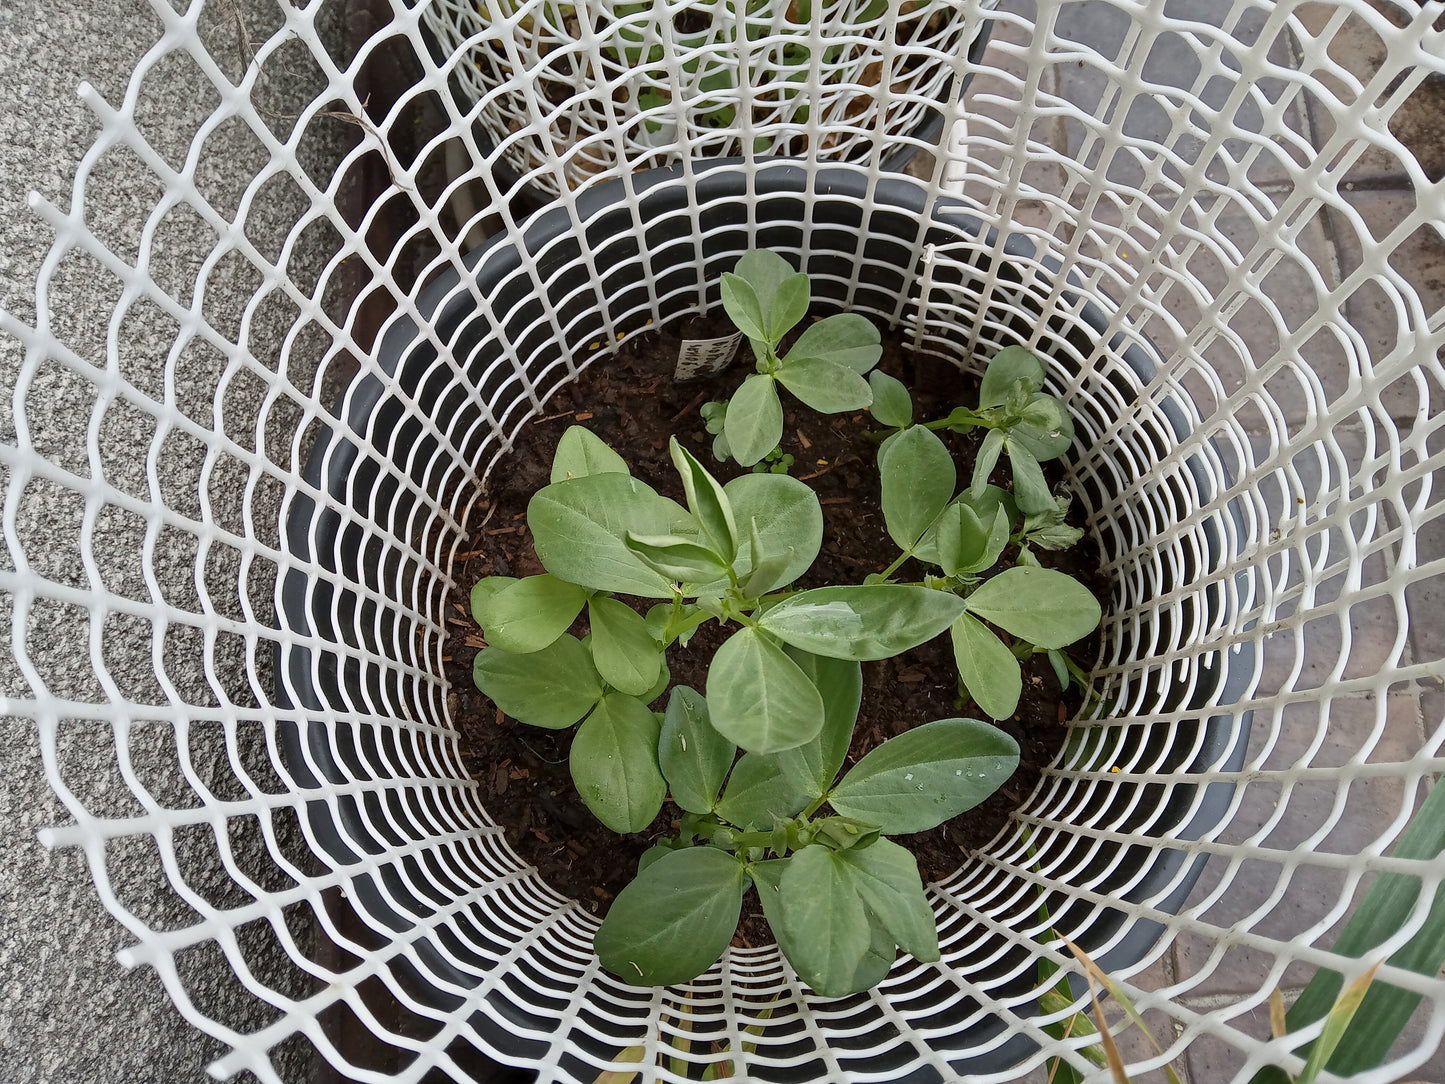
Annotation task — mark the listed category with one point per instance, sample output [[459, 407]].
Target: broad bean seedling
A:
[[784, 687]]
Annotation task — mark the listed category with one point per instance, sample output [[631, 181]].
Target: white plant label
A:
[[706, 357]]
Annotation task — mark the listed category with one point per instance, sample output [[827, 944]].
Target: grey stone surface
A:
[[69, 1012]]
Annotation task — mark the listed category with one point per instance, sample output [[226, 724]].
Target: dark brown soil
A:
[[633, 403]]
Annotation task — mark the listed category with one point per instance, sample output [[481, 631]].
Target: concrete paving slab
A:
[[1186, 77], [1377, 253], [1213, 1057], [1001, 105], [1193, 256], [1344, 53], [1322, 815]]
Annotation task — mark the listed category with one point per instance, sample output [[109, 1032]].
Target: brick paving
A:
[[1376, 193]]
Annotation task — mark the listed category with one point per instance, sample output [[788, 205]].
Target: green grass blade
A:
[[614, 1076], [1336, 1023], [1093, 971], [1391, 900]]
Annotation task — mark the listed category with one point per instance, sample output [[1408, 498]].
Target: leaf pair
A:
[[839, 915], [762, 700], [701, 549], [529, 615], [1048, 609], [614, 754], [841, 903], [765, 787], [910, 783], [1030, 427], [764, 296], [826, 367], [607, 531], [962, 535], [839, 906]]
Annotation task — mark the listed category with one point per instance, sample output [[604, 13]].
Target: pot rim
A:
[[492, 263]]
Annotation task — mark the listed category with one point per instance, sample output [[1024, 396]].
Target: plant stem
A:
[[896, 565], [744, 841]]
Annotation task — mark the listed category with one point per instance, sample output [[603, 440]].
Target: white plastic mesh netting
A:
[[1223, 226], [881, 70]]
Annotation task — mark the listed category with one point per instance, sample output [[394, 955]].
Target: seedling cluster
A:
[[784, 688]]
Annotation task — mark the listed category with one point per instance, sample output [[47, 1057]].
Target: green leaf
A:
[[985, 461], [927, 775], [786, 515], [664, 679], [1052, 1001], [484, 590], [1048, 530], [987, 667], [816, 763], [789, 305], [826, 385], [1031, 489], [674, 921], [677, 558], [1046, 430], [767, 875], [766, 272], [624, 652], [1007, 367], [614, 763], [844, 337], [986, 507], [968, 544], [581, 453], [844, 833], [879, 959], [707, 501], [769, 572], [1044, 607], [886, 877], [1336, 1023], [1055, 538], [1044, 412], [758, 791], [668, 624], [863, 622], [529, 614], [962, 420], [754, 423], [551, 688], [1390, 903], [743, 306], [1060, 664], [759, 698], [892, 405], [918, 478], [694, 757], [819, 921], [580, 530], [989, 502], [651, 855]]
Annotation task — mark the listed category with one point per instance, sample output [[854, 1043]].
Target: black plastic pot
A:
[[404, 442]]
